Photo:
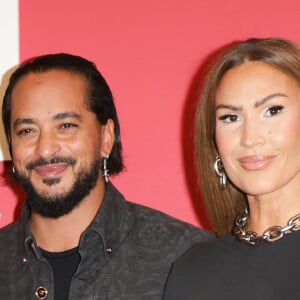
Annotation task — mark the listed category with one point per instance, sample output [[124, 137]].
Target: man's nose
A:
[[47, 145]]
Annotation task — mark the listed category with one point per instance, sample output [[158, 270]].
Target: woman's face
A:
[[258, 128]]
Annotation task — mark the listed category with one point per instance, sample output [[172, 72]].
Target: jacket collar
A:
[[113, 219], [111, 223]]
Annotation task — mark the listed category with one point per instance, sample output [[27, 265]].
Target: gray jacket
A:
[[126, 253]]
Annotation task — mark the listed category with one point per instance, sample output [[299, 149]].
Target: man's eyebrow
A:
[[59, 116], [18, 122], [65, 115], [266, 99]]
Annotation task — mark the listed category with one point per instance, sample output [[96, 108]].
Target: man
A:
[[78, 237]]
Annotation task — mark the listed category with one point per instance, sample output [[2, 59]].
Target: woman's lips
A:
[[255, 162], [50, 170]]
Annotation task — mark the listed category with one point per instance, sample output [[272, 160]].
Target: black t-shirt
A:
[[228, 269], [64, 265]]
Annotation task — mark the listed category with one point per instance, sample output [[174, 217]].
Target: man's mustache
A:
[[54, 160]]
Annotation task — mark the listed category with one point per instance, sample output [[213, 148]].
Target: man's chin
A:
[[54, 197], [48, 190], [51, 181]]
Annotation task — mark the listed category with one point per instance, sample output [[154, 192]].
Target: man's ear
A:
[[108, 137]]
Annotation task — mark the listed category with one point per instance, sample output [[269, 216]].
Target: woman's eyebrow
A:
[[230, 107], [258, 103], [268, 98]]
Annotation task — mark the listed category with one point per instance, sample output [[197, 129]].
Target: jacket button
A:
[[41, 292]]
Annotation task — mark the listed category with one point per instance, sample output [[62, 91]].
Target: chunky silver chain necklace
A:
[[270, 235]]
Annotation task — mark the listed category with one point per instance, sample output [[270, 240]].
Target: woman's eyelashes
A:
[[274, 110], [233, 117], [229, 118]]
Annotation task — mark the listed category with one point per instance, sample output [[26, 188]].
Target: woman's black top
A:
[[228, 269]]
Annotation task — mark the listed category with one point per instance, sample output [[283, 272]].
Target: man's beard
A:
[[54, 206]]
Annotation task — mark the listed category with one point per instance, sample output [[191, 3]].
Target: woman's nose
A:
[[253, 134]]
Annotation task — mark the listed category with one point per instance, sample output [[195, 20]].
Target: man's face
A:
[[57, 143]]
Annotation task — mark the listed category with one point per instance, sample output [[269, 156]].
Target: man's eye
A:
[[274, 110], [229, 118], [24, 131], [68, 125]]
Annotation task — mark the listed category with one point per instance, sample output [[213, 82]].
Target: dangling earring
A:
[[13, 169], [105, 170], [219, 169]]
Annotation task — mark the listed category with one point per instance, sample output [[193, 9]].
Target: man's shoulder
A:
[[153, 221], [158, 228], [9, 230], [8, 243]]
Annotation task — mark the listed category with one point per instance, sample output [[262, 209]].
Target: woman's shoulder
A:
[[209, 268], [204, 257], [203, 250], [191, 270]]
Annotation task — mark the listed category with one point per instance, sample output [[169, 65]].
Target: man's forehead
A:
[[52, 83], [53, 76]]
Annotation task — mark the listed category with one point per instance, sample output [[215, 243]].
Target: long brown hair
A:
[[223, 206]]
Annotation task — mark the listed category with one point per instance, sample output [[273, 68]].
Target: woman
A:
[[248, 133]]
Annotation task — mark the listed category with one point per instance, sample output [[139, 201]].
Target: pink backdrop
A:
[[152, 53]]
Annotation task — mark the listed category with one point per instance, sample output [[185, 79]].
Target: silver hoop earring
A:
[[13, 169], [219, 169], [105, 170]]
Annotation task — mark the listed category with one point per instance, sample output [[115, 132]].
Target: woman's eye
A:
[[229, 118], [274, 110]]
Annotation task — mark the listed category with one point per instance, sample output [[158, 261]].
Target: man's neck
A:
[[64, 233]]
